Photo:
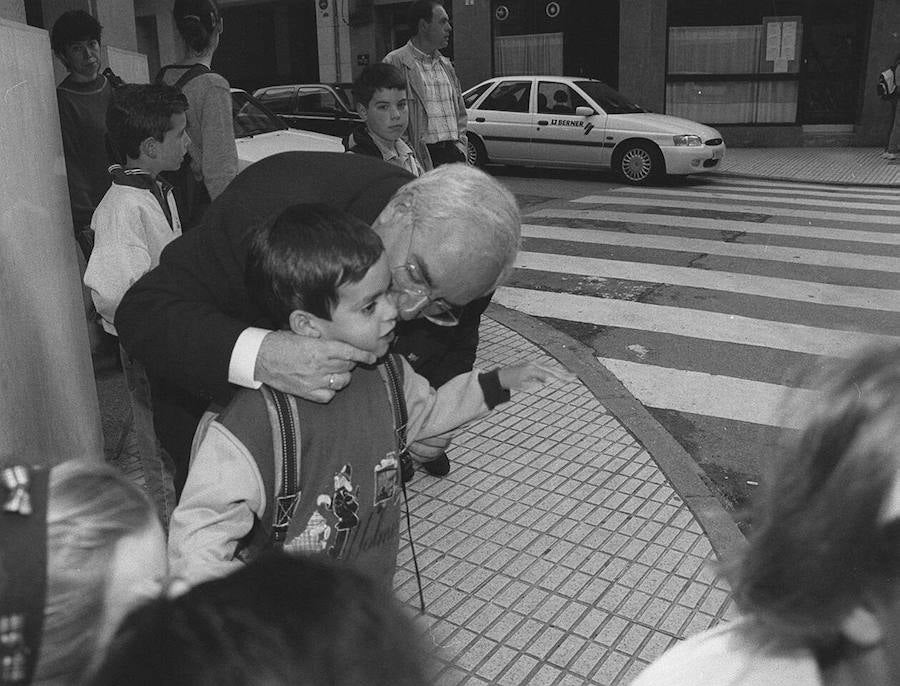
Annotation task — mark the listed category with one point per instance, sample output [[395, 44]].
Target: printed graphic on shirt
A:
[[386, 480], [314, 538], [345, 507]]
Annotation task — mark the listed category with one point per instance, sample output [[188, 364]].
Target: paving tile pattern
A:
[[839, 165], [555, 552]]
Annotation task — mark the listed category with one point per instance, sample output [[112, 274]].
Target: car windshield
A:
[[251, 117], [610, 100]]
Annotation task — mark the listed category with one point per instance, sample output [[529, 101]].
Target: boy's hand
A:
[[308, 367], [532, 375]]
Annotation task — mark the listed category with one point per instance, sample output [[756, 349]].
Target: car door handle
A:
[[479, 119], [543, 122]]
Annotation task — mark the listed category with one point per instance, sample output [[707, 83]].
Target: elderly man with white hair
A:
[[450, 237]]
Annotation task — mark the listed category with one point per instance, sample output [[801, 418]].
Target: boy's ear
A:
[[305, 324], [362, 111], [862, 625], [148, 147]]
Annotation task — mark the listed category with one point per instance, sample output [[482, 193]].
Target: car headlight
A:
[[687, 140]]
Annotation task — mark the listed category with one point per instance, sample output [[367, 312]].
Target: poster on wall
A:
[[781, 47]]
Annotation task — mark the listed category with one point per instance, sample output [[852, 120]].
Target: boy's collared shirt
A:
[[440, 98], [397, 152]]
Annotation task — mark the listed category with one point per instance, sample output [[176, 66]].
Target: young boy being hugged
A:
[[320, 272], [380, 94], [132, 224]]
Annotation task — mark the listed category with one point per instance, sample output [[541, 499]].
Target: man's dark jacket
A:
[[181, 320]]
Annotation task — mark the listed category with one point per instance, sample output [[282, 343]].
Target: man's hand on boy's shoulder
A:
[[311, 368]]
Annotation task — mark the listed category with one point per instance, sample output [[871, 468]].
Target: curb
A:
[[795, 179], [685, 476]]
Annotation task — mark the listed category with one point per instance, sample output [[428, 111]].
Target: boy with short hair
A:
[[132, 224], [322, 273], [380, 95]]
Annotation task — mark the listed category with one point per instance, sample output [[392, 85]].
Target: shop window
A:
[[536, 53], [735, 74]]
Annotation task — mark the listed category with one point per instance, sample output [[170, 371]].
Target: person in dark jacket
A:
[[380, 95], [450, 237]]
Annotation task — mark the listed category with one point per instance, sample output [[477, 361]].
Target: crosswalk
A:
[[719, 299]]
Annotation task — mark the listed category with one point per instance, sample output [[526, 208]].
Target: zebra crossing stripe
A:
[[704, 223], [712, 395], [749, 284], [888, 197], [768, 200], [608, 200], [773, 253], [736, 182], [692, 323]]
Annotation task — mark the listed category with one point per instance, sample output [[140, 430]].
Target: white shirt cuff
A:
[[243, 357]]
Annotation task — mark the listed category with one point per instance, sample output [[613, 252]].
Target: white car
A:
[[560, 121], [258, 133]]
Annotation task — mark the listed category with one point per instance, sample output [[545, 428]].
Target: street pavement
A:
[[573, 540], [718, 301]]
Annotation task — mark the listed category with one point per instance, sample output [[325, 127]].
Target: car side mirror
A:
[[584, 111]]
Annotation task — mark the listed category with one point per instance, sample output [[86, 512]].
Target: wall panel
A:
[[48, 400]]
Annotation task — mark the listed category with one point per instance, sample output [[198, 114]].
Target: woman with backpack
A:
[[213, 155]]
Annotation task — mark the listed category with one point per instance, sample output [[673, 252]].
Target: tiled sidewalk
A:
[[838, 165], [555, 552]]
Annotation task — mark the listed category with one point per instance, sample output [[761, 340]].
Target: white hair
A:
[[464, 202]]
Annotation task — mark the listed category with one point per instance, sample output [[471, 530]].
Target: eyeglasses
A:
[[413, 294]]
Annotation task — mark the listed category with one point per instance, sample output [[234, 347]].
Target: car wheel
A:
[[476, 155], [638, 163]]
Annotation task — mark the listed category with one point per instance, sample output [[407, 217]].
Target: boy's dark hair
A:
[[73, 26], [279, 621], [299, 260], [138, 112], [375, 77], [421, 10]]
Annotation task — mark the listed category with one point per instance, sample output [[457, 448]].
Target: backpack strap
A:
[[191, 72], [285, 423]]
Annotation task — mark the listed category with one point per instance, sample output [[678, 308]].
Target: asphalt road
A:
[[717, 302]]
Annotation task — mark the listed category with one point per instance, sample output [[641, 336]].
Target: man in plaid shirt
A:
[[437, 114]]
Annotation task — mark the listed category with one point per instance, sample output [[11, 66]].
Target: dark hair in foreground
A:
[[820, 542], [300, 259], [419, 10], [375, 77], [279, 621], [73, 26], [138, 112]]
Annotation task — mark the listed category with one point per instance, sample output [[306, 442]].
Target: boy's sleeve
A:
[[459, 401], [223, 491], [119, 258]]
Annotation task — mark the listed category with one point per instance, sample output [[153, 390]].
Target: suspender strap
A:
[[392, 366], [285, 422]]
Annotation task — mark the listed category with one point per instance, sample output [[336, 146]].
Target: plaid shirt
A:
[[440, 100]]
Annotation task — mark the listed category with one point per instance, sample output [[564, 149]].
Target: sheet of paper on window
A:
[[773, 40], [788, 39], [781, 65]]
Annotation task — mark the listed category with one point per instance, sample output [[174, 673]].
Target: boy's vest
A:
[[339, 487]]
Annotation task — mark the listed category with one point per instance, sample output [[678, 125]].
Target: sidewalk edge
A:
[[795, 179], [677, 466]]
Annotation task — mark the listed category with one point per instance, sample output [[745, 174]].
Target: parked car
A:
[[323, 107], [558, 121], [258, 133]]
